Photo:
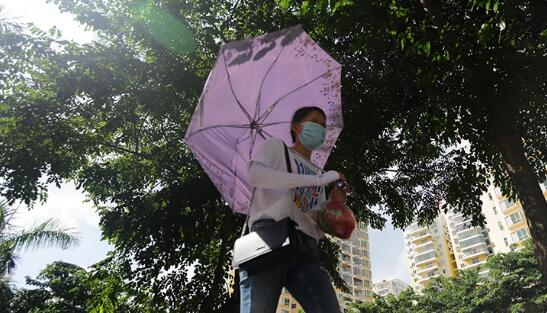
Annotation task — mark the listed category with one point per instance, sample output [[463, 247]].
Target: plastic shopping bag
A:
[[336, 219]]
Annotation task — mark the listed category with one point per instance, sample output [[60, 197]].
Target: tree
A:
[[111, 117], [405, 302], [513, 284], [452, 96], [63, 287], [12, 240], [60, 287]]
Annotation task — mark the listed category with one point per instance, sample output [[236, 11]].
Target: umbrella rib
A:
[[217, 126], [253, 140], [270, 109], [257, 109], [232, 89]]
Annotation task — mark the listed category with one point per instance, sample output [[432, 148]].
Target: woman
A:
[[279, 194]]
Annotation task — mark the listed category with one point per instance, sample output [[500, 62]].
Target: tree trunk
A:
[[509, 143], [506, 137]]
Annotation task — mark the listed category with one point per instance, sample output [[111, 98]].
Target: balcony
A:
[[463, 231], [428, 269], [421, 237], [421, 245], [473, 241], [474, 253], [475, 264], [476, 245], [507, 205], [424, 251], [470, 235], [424, 248], [425, 257], [415, 228], [424, 279], [465, 227]]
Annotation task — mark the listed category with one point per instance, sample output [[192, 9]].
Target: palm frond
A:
[[8, 258], [47, 234]]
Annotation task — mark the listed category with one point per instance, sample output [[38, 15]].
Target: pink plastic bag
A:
[[337, 219]]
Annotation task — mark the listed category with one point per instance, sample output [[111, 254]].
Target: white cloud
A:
[[65, 204]]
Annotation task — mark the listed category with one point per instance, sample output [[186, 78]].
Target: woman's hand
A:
[[337, 194]]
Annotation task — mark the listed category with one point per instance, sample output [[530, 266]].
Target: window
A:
[[357, 282], [513, 218], [293, 306], [346, 258], [494, 209], [284, 311], [357, 261], [507, 203], [286, 301], [490, 196], [472, 241], [500, 225], [424, 257], [356, 251], [347, 278], [346, 248], [519, 235], [506, 242], [357, 271]]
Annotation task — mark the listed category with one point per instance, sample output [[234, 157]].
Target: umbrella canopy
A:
[[251, 95]]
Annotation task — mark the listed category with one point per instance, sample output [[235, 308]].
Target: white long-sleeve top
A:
[[278, 194]]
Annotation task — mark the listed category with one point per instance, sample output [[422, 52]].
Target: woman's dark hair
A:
[[300, 114]]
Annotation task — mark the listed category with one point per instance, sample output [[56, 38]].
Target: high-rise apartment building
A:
[[428, 252], [468, 246], [505, 219], [355, 269], [389, 287]]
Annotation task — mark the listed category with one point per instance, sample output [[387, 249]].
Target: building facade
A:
[[429, 253], [470, 244], [389, 287], [467, 246], [355, 269]]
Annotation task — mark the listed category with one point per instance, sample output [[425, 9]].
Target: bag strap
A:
[[287, 160], [244, 226]]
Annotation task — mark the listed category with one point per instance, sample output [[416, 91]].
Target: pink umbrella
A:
[[251, 94]]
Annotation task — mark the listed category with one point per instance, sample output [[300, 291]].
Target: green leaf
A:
[[283, 4]]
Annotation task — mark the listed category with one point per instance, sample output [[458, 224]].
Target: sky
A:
[[68, 205]]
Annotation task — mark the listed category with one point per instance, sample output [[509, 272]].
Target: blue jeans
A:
[[302, 276]]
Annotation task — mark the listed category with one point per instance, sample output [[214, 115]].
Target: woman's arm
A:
[[264, 177]]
